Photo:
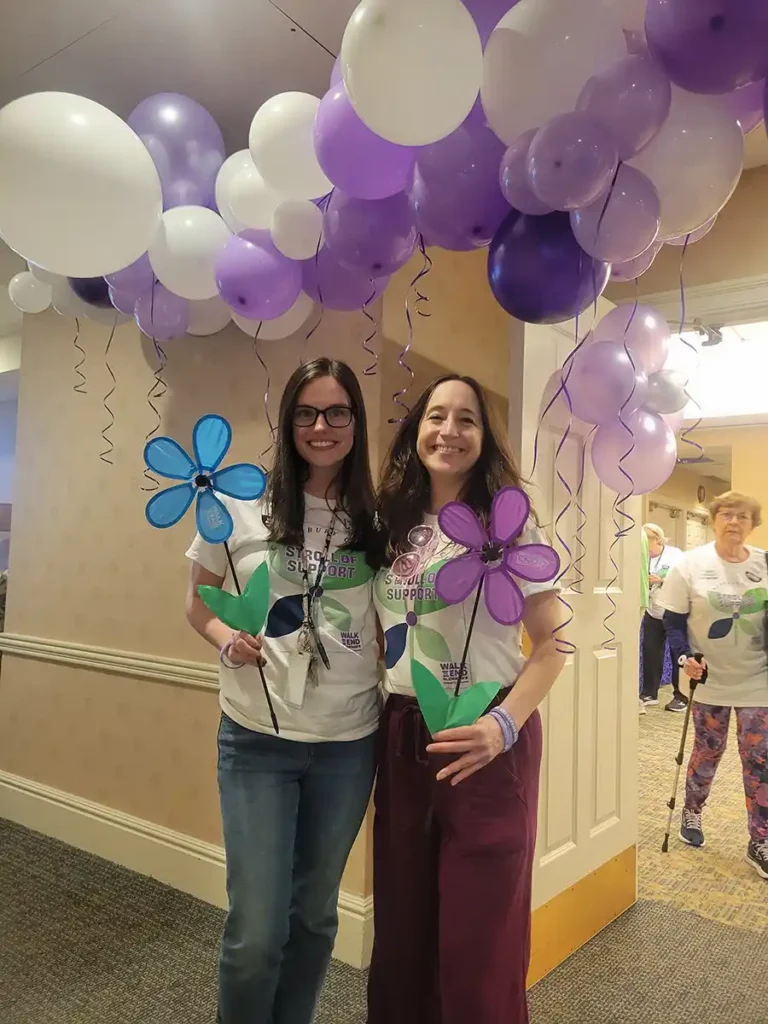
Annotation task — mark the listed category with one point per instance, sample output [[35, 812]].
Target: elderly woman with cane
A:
[[715, 602]]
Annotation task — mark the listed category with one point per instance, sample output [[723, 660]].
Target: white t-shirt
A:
[[725, 602], [661, 566], [418, 625], [343, 704]]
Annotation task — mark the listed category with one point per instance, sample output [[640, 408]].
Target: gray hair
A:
[[655, 531]]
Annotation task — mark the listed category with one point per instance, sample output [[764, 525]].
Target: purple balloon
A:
[[632, 269], [357, 161], [631, 99], [747, 106], [539, 273], [162, 315], [709, 46], [652, 453], [254, 278], [693, 236], [487, 14], [135, 279], [622, 225], [375, 236], [92, 290], [513, 177], [603, 382], [455, 194], [124, 302], [674, 421], [327, 281], [571, 161], [644, 330], [186, 145]]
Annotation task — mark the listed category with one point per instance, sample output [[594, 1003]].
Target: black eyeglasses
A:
[[334, 415]]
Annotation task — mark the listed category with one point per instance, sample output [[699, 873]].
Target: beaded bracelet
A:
[[224, 657], [508, 727]]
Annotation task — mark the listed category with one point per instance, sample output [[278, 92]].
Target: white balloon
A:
[[297, 228], [695, 162], [412, 70], [251, 200], [282, 326], [208, 316], [65, 301], [43, 275], [232, 165], [28, 294], [79, 193], [183, 254], [539, 58], [281, 145]]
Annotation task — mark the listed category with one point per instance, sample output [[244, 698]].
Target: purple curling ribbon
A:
[[420, 298]]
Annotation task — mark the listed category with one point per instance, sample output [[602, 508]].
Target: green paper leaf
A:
[[248, 611], [338, 616], [441, 711], [227, 607], [470, 705], [432, 643], [754, 601]]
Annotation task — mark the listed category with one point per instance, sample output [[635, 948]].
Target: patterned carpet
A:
[[85, 942]]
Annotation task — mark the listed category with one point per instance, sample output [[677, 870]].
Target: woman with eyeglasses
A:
[[715, 602], [455, 813], [292, 803]]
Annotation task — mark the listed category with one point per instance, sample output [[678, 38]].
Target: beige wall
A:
[[736, 247], [748, 447]]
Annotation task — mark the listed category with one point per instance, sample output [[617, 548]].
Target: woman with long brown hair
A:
[[455, 821]]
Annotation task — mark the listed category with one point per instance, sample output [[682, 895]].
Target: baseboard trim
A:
[[179, 860], [103, 659]]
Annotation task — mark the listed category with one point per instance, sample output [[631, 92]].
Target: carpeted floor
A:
[[85, 942]]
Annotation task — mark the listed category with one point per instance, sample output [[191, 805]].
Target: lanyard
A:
[[651, 567], [309, 641]]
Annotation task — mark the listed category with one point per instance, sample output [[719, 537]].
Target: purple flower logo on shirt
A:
[[493, 560]]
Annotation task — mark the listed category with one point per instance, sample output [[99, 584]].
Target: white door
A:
[[588, 806]]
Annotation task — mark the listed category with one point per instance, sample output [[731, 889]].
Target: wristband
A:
[[224, 657], [508, 727], [683, 659]]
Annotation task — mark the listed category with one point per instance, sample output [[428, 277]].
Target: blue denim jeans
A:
[[291, 812]]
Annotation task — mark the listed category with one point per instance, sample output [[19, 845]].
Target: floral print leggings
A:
[[711, 724]]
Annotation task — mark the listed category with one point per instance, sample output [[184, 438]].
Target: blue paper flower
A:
[[211, 439]]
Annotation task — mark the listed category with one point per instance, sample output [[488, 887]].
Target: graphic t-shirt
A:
[[661, 566], [343, 702], [418, 625], [725, 602]]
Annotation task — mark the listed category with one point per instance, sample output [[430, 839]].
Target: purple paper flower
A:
[[493, 559]]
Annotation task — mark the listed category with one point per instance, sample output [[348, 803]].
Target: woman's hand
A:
[[694, 669], [655, 580], [477, 744], [244, 649]]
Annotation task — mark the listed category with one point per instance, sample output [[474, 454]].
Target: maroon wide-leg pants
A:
[[452, 880]]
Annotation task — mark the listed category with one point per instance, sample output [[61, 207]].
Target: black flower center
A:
[[201, 480], [491, 553]]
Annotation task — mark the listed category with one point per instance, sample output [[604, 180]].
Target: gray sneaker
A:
[[757, 856], [676, 704], [690, 829]]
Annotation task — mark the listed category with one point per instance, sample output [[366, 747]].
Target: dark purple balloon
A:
[[456, 195], [93, 290], [631, 98], [185, 144], [709, 46], [374, 236], [327, 281], [539, 273]]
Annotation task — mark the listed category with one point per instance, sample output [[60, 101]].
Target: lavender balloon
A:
[[746, 105], [337, 75], [92, 290], [666, 393], [136, 278], [375, 236], [603, 382], [623, 225], [693, 236], [124, 302], [631, 100], [513, 177], [162, 315], [254, 278], [644, 330], [186, 145], [455, 194], [632, 269], [652, 453], [709, 46], [539, 273], [327, 281], [356, 160], [571, 161]]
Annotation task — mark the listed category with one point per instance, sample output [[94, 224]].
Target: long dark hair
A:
[[285, 484], [404, 493]]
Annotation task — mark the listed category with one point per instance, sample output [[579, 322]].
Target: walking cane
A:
[[681, 753]]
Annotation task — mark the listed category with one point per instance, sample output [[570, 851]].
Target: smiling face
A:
[[450, 436], [321, 444]]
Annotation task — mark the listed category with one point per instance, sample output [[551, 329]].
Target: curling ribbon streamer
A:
[[267, 389], [80, 387], [106, 454], [397, 397], [371, 371], [685, 436], [155, 393], [322, 204]]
